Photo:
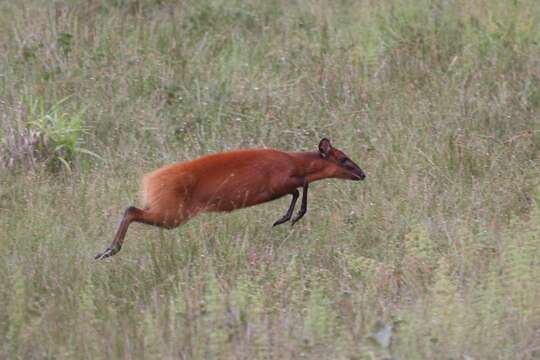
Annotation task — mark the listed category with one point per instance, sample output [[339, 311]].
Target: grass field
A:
[[435, 256]]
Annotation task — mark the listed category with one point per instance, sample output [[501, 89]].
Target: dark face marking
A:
[[338, 157], [348, 165]]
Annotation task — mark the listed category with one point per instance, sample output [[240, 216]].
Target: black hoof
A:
[[107, 253], [298, 217], [281, 221]]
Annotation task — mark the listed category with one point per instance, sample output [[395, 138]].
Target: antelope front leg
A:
[[288, 215], [303, 207]]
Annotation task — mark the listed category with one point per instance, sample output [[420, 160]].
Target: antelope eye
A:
[[343, 161]]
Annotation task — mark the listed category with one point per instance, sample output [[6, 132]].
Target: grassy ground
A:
[[435, 255]]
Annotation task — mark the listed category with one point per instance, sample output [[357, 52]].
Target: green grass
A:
[[435, 255]]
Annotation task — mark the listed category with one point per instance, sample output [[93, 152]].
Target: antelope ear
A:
[[324, 148]]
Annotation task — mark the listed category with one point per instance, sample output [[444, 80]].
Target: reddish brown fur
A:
[[225, 182]]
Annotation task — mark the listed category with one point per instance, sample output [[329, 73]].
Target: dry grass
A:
[[435, 255]]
